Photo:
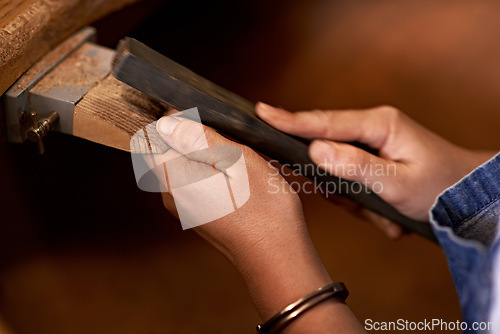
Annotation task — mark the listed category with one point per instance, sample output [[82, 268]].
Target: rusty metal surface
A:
[[61, 89], [57, 83], [16, 98]]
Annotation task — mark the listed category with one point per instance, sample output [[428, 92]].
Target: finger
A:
[[195, 140], [185, 135], [200, 191], [389, 228], [174, 170], [195, 192], [371, 126], [386, 226], [352, 163]]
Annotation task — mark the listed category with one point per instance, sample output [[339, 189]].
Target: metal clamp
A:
[[39, 128]]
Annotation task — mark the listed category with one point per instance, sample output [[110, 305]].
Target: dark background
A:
[[83, 250]]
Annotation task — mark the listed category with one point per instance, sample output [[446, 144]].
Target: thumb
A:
[[196, 142], [352, 163], [202, 194], [183, 135]]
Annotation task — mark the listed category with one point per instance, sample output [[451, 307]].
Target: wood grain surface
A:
[[112, 112], [30, 28]]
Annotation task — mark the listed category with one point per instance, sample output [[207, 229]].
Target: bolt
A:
[[24, 117]]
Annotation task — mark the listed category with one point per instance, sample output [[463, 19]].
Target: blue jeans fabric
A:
[[465, 220]]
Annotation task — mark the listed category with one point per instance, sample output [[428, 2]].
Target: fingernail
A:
[[322, 151], [265, 109], [166, 125]]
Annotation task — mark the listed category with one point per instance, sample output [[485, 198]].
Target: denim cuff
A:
[[465, 219], [470, 207]]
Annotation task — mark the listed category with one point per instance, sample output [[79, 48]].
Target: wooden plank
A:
[[10, 9], [30, 28], [111, 112]]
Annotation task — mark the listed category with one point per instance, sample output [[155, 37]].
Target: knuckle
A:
[[189, 136], [389, 112], [392, 194], [247, 151], [323, 121], [387, 109], [387, 119], [350, 155], [252, 159], [199, 141]]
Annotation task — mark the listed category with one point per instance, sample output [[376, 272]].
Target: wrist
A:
[[480, 157], [280, 272]]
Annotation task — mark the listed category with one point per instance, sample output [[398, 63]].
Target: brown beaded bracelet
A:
[[284, 318]]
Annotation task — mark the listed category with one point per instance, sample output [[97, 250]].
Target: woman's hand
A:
[[416, 164], [266, 239], [270, 216]]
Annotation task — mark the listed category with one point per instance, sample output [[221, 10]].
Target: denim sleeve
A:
[[465, 220]]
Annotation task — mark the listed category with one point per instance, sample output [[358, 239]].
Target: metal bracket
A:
[[56, 83]]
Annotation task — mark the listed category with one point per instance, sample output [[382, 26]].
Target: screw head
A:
[[24, 117], [34, 136]]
